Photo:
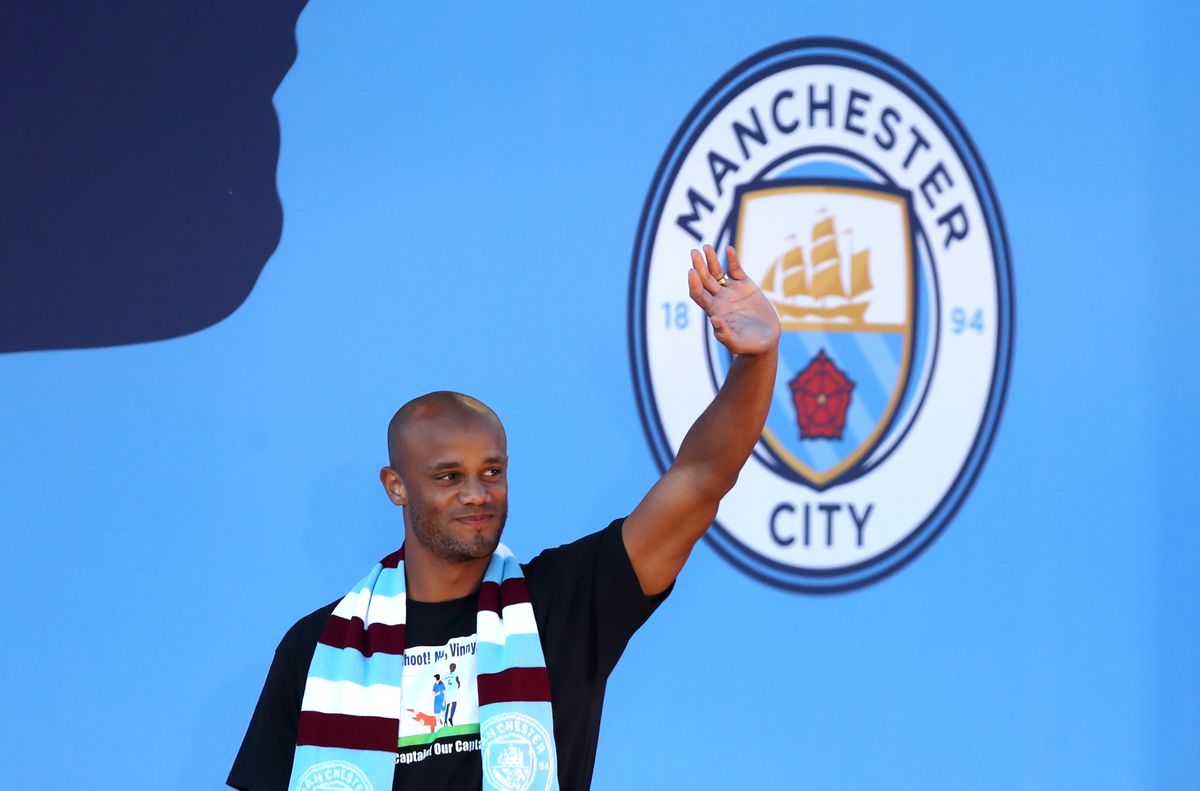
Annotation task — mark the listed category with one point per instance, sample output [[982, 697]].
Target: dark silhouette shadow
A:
[[137, 165]]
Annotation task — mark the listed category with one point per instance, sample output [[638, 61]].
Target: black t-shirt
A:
[[587, 602]]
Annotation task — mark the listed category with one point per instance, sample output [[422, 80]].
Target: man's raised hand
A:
[[741, 315]]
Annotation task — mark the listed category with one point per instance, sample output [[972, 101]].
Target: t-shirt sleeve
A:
[[264, 762], [591, 577]]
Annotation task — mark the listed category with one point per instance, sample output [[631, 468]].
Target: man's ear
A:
[[393, 485]]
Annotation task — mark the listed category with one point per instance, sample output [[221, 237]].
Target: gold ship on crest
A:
[[807, 292]]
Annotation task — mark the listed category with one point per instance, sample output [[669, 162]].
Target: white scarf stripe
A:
[[347, 697], [518, 619]]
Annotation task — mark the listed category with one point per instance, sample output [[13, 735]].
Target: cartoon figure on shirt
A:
[[423, 718], [439, 697], [453, 685]]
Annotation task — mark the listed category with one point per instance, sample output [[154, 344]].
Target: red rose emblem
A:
[[821, 393]]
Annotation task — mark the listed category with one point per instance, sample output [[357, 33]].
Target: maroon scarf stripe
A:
[[513, 591], [514, 684], [393, 560], [378, 638], [347, 731]]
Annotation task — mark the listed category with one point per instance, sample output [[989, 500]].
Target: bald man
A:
[[350, 699]]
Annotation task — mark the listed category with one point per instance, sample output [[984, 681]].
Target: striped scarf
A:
[[349, 718]]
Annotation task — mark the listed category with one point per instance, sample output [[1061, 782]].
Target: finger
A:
[[700, 267], [714, 264], [735, 265], [699, 295]]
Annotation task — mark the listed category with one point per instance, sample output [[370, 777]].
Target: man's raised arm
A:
[[667, 523]]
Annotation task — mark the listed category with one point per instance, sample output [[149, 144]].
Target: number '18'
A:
[[675, 314]]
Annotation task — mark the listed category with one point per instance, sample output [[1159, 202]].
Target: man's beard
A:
[[442, 543]]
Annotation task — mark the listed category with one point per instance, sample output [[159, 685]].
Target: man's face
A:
[[454, 473]]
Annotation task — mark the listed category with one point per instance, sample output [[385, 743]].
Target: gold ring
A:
[[724, 279]]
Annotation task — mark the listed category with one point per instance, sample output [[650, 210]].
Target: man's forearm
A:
[[661, 531], [721, 439]]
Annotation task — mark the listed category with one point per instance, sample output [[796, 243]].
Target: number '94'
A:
[[961, 322]]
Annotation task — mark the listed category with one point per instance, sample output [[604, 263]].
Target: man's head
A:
[[448, 467]]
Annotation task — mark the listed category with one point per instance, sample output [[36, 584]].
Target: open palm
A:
[[741, 315]]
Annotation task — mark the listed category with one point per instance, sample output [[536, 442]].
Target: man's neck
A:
[[429, 578]]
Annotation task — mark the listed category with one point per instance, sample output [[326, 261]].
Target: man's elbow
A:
[[711, 487]]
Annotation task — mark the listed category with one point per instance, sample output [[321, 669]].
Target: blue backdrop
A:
[[460, 189]]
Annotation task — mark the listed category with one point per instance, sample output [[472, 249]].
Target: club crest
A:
[[517, 754], [859, 205], [835, 259]]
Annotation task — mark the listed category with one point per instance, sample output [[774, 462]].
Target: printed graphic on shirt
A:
[[440, 701]]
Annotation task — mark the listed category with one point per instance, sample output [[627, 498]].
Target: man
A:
[[533, 643], [452, 687], [439, 698]]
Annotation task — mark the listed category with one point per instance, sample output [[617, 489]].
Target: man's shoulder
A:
[[303, 635], [580, 552], [568, 576]]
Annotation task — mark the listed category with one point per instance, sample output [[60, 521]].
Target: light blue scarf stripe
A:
[[381, 581], [368, 582], [497, 566], [391, 581]]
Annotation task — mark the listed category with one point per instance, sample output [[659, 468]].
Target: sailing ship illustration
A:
[[815, 288], [514, 767]]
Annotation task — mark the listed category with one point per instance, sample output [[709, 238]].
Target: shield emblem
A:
[[511, 763], [836, 260]]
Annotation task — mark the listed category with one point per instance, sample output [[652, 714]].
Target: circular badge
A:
[[859, 204], [518, 753]]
